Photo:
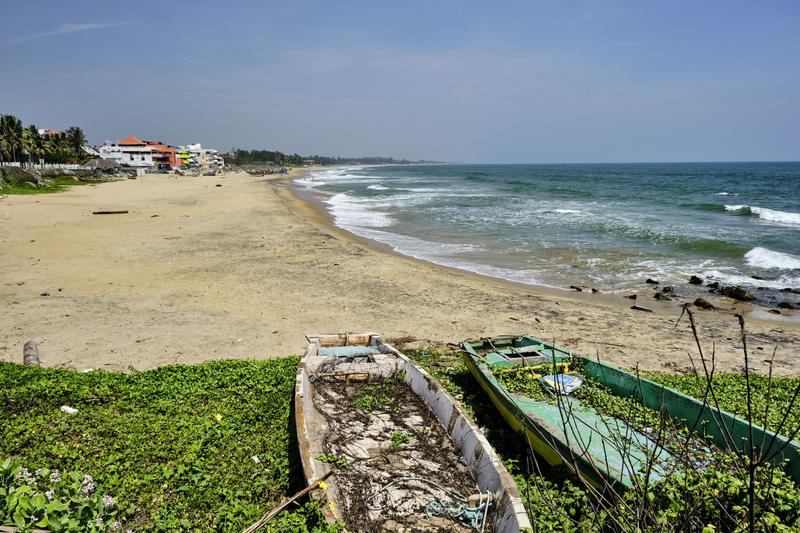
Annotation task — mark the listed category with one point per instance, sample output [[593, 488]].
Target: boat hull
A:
[[485, 466]]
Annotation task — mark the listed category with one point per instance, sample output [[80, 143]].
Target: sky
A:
[[460, 81]]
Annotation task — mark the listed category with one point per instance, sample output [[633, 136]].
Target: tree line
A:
[[251, 157], [26, 145]]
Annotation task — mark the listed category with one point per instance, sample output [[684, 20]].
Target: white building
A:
[[132, 152]]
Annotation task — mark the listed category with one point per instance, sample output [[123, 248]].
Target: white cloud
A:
[[65, 29]]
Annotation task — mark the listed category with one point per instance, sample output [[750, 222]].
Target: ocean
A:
[[607, 226]]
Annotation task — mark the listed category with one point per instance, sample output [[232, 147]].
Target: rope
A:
[[474, 517]]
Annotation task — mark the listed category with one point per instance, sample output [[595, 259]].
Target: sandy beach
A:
[[240, 267]]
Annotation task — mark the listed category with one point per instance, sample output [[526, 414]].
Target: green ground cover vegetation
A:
[[180, 448], [211, 447]]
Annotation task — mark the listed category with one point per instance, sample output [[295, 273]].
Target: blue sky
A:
[[457, 81]]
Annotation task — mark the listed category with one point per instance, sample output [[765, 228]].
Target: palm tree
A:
[[11, 135], [75, 140], [32, 143]]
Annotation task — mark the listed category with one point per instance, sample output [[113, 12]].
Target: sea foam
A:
[[349, 212], [771, 215], [764, 258]]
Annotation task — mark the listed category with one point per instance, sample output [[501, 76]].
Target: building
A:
[[163, 155], [194, 155], [46, 132], [132, 152]]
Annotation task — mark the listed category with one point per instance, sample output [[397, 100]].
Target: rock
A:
[[713, 285], [218, 185], [631, 297], [663, 297], [786, 289], [667, 290], [594, 291], [651, 281], [575, 287], [702, 303], [774, 311], [737, 293], [696, 280], [786, 305], [45, 293], [758, 278]]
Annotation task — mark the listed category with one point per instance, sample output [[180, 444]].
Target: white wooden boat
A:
[[398, 451]]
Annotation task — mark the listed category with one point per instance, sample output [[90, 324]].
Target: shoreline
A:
[[196, 272], [313, 201]]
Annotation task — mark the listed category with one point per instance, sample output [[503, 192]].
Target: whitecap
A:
[[377, 187], [770, 215], [349, 212], [765, 258]]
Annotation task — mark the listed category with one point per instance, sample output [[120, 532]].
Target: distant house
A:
[[46, 132], [163, 156], [309, 162], [131, 151]]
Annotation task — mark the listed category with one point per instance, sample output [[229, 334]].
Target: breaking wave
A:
[[765, 258], [771, 215]]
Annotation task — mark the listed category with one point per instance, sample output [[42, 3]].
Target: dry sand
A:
[[196, 272]]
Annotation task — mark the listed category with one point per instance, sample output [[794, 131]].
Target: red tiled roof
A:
[[132, 141]]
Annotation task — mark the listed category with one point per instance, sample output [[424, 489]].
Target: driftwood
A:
[[30, 354], [275, 512], [125, 212], [640, 308]]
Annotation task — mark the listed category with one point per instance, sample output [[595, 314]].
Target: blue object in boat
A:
[[562, 383]]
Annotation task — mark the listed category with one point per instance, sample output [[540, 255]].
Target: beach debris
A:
[[702, 303], [118, 212], [737, 293], [748, 368], [218, 185], [651, 281], [45, 293], [256, 459], [30, 354], [695, 280], [631, 296], [67, 410], [640, 308], [575, 287], [319, 483], [786, 305], [774, 311], [663, 297]]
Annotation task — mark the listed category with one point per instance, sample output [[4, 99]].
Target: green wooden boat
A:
[[600, 448]]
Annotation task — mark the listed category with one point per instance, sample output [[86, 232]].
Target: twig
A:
[[273, 513]]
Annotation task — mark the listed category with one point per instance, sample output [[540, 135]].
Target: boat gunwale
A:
[[517, 517], [719, 417]]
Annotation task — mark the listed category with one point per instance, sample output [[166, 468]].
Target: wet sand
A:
[[196, 272]]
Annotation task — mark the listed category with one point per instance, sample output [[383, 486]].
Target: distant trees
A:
[[251, 157], [26, 145]]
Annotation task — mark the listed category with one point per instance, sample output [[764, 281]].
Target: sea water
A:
[[608, 226]]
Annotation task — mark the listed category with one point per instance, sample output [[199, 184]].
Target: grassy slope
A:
[[55, 185], [152, 439]]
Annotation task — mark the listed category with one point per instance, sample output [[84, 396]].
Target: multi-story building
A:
[[132, 152]]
